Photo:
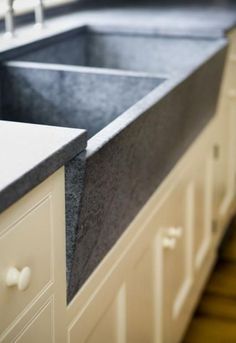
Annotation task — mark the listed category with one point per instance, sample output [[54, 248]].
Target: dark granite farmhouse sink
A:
[[107, 47], [135, 137], [68, 96]]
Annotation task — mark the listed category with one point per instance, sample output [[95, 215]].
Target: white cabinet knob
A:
[[174, 232], [21, 279], [169, 243]]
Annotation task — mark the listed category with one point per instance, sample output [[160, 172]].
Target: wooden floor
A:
[[215, 318]]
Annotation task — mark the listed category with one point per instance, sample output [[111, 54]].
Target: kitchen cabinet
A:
[[32, 265], [143, 289]]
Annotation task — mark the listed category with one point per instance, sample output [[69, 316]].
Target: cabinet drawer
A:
[[25, 240]]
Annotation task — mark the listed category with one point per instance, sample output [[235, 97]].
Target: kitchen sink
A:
[[142, 97]]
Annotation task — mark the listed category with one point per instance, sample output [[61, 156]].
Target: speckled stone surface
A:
[[69, 97], [109, 47], [122, 174], [30, 153], [74, 186]]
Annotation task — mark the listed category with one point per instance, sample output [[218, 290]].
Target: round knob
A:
[[21, 279], [175, 232], [169, 243]]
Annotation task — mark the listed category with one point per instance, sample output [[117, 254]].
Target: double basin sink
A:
[[143, 98]]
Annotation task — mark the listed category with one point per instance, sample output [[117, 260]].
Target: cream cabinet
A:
[[175, 221], [147, 286], [203, 178], [152, 308], [32, 265]]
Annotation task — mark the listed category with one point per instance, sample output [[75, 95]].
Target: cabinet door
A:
[[32, 235], [176, 261], [220, 161], [202, 174], [145, 293]]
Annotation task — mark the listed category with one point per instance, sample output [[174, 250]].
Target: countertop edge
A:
[[39, 172]]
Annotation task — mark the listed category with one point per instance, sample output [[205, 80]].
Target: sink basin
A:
[[68, 96], [113, 48]]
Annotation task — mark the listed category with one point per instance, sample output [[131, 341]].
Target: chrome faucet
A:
[[9, 18], [38, 12]]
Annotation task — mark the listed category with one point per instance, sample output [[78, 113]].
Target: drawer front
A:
[[24, 242]]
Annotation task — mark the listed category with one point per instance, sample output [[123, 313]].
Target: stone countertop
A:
[[30, 153]]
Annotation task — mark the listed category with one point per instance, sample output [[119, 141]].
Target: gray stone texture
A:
[[69, 98], [74, 182]]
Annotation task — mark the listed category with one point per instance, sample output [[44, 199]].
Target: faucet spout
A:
[[9, 18], [39, 14]]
